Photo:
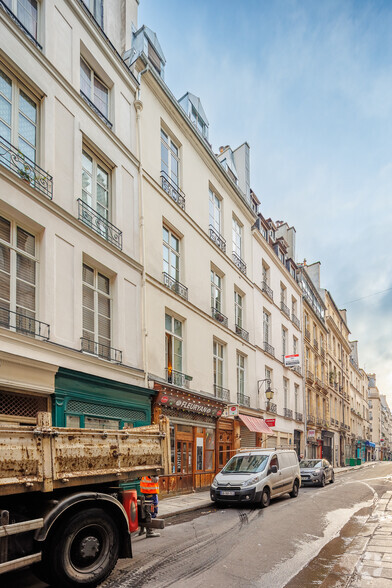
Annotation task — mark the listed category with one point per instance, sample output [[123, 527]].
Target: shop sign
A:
[[270, 422], [189, 403], [312, 433], [232, 410], [291, 360]]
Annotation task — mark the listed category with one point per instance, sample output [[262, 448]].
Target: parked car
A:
[[316, 472], [257, 476]]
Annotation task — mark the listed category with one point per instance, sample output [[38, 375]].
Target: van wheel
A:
[[83, 550], [294, 492], [265, 498]]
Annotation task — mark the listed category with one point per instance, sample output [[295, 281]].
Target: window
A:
[[237, 238], [218, 363], [27, 12], [295, 345], [95, 185], [96, 9], [265, 272], [268, 375], [18, 282], [18, 116], [286, 392], [173, 350], [238, 309], [294, 306], [216, 291], [96, 312], [283, 294], [169, 158], [284, 341], [296, 397], [321, 342], [171, 254], [240, 374], [214, 211], [93, 88], [266, 326]]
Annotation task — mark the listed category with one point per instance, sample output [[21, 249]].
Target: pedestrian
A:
[[149, 487]]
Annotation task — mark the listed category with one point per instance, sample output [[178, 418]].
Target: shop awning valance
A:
[[256, 425]]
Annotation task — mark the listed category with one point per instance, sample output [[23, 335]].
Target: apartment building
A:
[[320, 423], [361, 446], [374, 402], [386, 421], [71, 271]]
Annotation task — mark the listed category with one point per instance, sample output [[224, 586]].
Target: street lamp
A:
[[269, 393]]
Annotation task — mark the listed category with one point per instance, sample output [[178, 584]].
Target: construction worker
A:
[[149, 487]]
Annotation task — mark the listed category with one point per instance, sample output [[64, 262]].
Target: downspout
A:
[[142, 241], [303, 382]]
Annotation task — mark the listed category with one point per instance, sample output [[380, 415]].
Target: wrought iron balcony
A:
[[218, 316], [25, 168], [242, 333], [298, 416], [269, 349], [173, 190], [267, 290], [175, 286], [177, 378], [271, 407], [311, 419], [100, 350], [99, 224], [217, 239], [307, 334], [221, 393], [284, 308], [16, 20], [240, 263], [287, 412], [96, 110], [243, 400], [21, 323], [295, 321]]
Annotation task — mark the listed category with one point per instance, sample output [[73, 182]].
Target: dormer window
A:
[[154, 58]]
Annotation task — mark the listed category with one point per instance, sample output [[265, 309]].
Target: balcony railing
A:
[[175, 286], [307, 334], [297, 369], [309, 376], [21, 323], [265, 288], [221, 393], [298, 416], [243, 400], [101, 350], [177, 378], [240, 263], [25, 168], [217, 239], [271, 407], [242, 333], [96, 110], [285, 308], [99, 224], [173, 190], [295, 321], [218, 316], [319, 382], [288, 413], [20, 24], [269, 349]]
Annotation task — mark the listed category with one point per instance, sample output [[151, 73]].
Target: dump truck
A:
[[64, 508]]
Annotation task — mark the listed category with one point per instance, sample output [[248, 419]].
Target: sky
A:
[[309, 85]]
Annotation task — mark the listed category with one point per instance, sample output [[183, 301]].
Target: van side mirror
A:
[[273, 469]]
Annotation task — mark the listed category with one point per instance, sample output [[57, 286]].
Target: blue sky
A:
[[309, 85]]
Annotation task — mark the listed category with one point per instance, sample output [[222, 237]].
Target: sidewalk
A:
[[171, 506]]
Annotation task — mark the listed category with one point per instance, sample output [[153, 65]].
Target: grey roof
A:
[[152, 37], [195, 100]]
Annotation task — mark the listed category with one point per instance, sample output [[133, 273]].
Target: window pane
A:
[[168, 322], [5, 229], [103, 305], [103, 283], [100, 96], [85, 78], [102, 196], [26, 149], [25, 241], [88, 297], [102, 177], [27, 130], [88, 321], [177, 327], [104, 327], [4, 258], [27, 14], [27, 107], [25, 269], [174, 242], [4, 287], [5, 85], [25, 295], [88, 275], [5, 110]]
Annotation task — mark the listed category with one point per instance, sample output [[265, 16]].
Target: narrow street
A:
[[294, 542]]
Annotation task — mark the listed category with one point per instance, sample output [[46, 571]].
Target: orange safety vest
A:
[[147, 486]]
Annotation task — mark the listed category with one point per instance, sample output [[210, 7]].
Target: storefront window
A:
[[172, 449], [199, 453], [210, 447]]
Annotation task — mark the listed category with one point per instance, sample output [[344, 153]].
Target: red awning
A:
[[256, 425]]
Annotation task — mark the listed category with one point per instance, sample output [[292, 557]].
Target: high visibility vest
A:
[[147, 486]]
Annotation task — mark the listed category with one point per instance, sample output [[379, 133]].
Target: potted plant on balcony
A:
[[23, 169]]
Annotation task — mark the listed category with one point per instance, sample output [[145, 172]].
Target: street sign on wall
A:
[[291, 360], [270, 422]]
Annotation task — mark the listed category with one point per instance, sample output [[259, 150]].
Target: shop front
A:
[[327, 450], [199, 443]]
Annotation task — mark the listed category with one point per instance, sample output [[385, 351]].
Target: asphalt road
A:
[[294, 542]]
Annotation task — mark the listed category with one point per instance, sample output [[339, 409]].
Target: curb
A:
[[185, 510]]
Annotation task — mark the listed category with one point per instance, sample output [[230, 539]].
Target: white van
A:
[[257, 475]]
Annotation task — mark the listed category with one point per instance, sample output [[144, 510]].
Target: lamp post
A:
[[269, 393]]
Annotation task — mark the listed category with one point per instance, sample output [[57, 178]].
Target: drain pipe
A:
[[138, 105]]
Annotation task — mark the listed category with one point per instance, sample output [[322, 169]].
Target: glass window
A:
[[27, 12], [169, 158], [96, 313], [286, 392], [96, 9], [95, 185], [18, 118], [209, 449], [246, 464], [295, 345], [240, 374], [93, 88], [266, 327], [218, 363], [284, 341], [237, 238], [238, 309], [214, 211], [173, 350], [171, 254], [216, 291]]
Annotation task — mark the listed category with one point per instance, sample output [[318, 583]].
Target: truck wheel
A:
[[83, 550]]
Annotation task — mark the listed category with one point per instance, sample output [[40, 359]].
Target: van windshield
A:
[[245, 464]]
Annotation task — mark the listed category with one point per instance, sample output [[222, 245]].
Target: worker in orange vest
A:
[[149, 486]]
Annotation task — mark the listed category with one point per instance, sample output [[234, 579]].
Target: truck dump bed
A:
[[45, 458]]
